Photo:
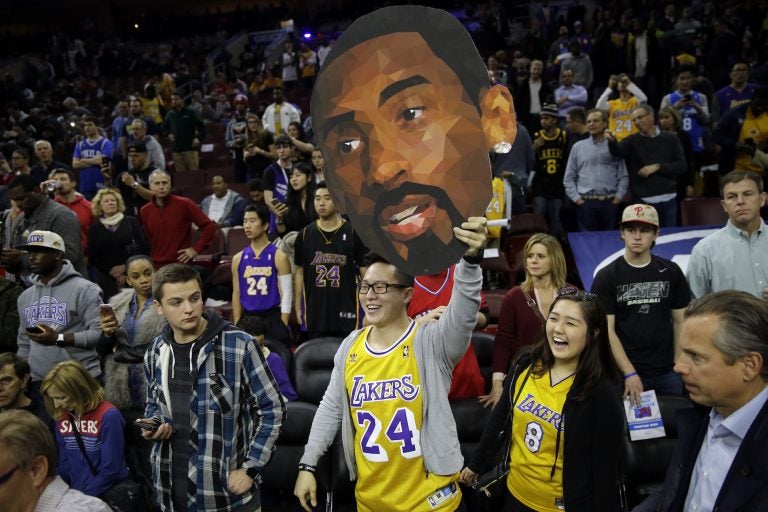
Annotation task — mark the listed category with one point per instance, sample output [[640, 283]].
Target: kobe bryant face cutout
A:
[[405, 115]]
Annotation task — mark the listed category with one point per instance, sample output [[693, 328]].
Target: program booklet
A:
[[644, 421]]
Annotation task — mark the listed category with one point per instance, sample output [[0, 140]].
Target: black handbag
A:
[[125, 496]]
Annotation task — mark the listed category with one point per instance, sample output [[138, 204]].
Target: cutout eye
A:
[[411, 114], [349, 145]]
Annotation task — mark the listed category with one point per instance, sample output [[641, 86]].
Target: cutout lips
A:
[[410, 218]]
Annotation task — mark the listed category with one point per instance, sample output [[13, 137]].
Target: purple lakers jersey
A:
[[259, 289]]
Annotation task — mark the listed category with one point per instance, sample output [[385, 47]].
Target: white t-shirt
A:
[[216, 209]]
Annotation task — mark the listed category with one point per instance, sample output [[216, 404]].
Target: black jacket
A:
[[592, 437], [745, 488]]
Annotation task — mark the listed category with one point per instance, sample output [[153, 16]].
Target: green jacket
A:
[[185, 126]]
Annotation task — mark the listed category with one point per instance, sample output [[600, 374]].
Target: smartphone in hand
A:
[[146, 424], [106, 310]]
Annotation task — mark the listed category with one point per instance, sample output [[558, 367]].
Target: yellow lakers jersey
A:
[[537, 417], [755, 128], [496, 207], [620, 117], [385, 399]]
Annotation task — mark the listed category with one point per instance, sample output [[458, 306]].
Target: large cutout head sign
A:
[[405, 114]]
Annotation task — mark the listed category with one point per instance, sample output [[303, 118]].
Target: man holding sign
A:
[[405, 115]]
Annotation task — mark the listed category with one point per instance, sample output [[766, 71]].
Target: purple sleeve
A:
[[276, 364]]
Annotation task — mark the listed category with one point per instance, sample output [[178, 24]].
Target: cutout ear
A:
[[498, 116]]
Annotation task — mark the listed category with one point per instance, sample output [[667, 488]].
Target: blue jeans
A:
[[595, 215], [668, 383], [667, 213], [549, 208]]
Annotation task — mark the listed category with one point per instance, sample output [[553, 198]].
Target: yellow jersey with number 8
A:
[[385, 399], [536, 419]]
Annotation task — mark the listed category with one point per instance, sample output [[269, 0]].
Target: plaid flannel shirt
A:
[[236, 415]]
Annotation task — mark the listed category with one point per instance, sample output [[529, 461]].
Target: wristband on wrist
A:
[[630, 375], [307, 467]]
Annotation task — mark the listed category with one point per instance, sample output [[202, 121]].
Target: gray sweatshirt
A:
[[69, 304], [438, 348]]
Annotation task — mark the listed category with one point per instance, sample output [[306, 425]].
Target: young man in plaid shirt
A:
[[212, 400]]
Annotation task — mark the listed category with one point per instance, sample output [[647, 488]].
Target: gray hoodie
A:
[[69, 304]]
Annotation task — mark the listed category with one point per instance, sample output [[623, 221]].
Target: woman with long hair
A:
[[127, 331], [562, 411], [89, 430], [670, 121], [300, 201], [113, 239], [318, 163], [302, 148], [521, 319], [259, 149]]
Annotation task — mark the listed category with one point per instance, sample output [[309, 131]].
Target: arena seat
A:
[[281, 350], [702, 211], [471, 418], [527, 223], [482, 342], [312, 366], [279, 476], [210, 257], [645, 462], [236, 242]]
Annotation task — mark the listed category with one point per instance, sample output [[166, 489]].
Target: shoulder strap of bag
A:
[[81, 445], [532, 304]]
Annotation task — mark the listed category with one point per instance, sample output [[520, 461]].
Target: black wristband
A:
[[307, 467], [476, 259], [252, 473]]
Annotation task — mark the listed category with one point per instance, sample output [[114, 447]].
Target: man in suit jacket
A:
[[720, 458]]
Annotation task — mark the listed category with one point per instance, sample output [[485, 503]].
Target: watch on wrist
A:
[[60, 340], [135, 185], [252, 473]]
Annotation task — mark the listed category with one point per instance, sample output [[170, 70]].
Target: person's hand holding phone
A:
[[279, 208], [107, 319], [153, 429], [42, 334]]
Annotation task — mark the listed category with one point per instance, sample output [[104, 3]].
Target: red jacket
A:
[[82, 208], [430, 292], [169, 228]]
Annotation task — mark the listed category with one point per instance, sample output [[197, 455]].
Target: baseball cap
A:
[[43, 240], [138, 146], [640, 213], [240, 98], [549, 110]]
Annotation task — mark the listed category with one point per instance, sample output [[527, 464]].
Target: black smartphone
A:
[[34, 330], [151, 425], [687, 97]]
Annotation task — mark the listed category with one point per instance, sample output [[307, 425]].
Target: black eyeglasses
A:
[[8, 475], [379, 287], [576, 294]]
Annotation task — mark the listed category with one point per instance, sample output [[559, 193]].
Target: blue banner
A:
[[594, 250]]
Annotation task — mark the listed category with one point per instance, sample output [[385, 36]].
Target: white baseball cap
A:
[[43, 240]]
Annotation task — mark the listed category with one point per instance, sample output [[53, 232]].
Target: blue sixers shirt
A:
[[90, 179], [259, 289], [690, 121]]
